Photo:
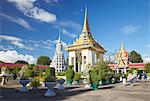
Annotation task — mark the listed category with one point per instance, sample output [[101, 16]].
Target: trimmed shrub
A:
[[35, 82], [94, 76], [61, 73], [148, 74], [117, 77], [49, 75], [24, 73], [30, 73], [70, 73], [15, 70], [77, 76]]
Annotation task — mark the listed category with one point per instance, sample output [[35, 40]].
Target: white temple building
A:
[[58, 61], [85, 51]]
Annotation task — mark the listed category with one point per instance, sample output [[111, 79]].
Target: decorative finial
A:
[[86, 25], [122, 46], [59, 34]]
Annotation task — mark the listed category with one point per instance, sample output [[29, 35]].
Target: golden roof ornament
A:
[[86, 27]]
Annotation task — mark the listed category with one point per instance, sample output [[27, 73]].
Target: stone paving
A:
[[115, 92]]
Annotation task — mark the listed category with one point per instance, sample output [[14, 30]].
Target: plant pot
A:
[[77, 82], [87, 86], [94, 86], [24, 83], [50, 86], [61, 82], [69, 82]]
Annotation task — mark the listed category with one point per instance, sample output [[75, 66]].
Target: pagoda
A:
[[122, 59], [85, 51], [58, 61]]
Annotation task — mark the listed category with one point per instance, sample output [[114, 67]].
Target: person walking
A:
[[145, 76], [124, 79], [130, 78]]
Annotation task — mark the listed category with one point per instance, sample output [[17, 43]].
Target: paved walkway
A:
[[117, 92]]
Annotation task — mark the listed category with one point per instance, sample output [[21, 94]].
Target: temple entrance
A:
[[78, 61]]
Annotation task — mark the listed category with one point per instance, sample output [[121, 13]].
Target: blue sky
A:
[[31, 26]]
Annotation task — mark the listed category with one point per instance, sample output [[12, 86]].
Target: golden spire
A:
[[86, 27]]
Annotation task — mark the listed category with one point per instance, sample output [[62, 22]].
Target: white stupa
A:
[[58, 61]]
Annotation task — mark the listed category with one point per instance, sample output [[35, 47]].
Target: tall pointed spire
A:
[[59, 35], [122, 46], [86, 27]]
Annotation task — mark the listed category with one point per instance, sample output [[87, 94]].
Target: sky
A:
[[30, 28]]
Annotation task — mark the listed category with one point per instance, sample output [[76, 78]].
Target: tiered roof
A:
[[86, 40]]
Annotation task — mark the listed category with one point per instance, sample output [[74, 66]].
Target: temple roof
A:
[[85, 40]]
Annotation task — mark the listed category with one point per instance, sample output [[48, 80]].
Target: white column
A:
[[117, 70], [125, 70]]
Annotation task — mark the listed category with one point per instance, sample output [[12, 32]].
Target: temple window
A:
[[72, 60], [84, 59]]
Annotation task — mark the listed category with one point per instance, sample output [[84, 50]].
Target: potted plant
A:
[[69, 75], [24, 78], [61, 81], [77, 77], [50, 82], [35, 83], [94, 80]]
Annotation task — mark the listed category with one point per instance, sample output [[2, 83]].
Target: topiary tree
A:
[[70, 75], [77, 76], [94, 78], [105, 73], [15, 72], [23, 73], [49, 75], [43, 60]]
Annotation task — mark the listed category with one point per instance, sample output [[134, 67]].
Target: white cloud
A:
[[21, 45], [9, 38], [13, 56], [129, 29], [4, 48], [30, 10], [23, 5], [72, 35], [19, 21], [51, 1], [15, 41], [146, 59]]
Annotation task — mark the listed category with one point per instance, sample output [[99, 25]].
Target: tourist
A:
[[145, 76], [130, 78], [124, 79], [140, 77]]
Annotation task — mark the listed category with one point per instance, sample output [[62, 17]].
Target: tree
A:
[[147, 68], [134, 57], [105, 73], [21, 62], [110, 57], [43, 60]]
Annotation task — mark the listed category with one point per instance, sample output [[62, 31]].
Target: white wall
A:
[[72, 54]]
